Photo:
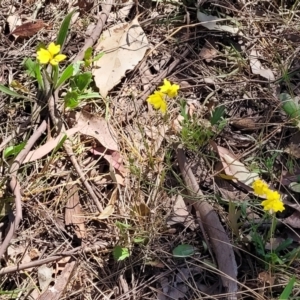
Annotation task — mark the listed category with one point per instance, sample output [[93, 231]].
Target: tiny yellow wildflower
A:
[[50, 55], [272, 205], [260, 187], [158, 101], [170, 89]]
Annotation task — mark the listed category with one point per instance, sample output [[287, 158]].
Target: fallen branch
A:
[[16, 189], [37, 263], [106, 8], [213, 228]]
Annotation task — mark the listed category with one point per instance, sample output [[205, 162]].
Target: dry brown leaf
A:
[[49, 146], [29, 28], [266, 278], [293, 220], [208, 52], [109, 209], [56, 292], [74, 214], [211, 225], [124, 45], [257, 67], [98, 128], [13, 21], [141, 209], [180, 214], [113, 157]]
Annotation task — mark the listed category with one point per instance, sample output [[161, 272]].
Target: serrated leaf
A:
[[81, 81], [120, 253], [71, 100], [289, 105], [183, 250]]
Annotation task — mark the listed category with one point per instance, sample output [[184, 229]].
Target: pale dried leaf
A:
[[210, 22], [98, 128], [74, 214], [113, 157], [44, 276], [180, 214], [13, 21], [208, 52], [257, 67], [121, 14], [239, 171], [49, 146], [109, 209], [29, 28], [125, 46], [293, 220]]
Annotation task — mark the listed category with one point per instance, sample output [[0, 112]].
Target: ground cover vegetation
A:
[[149, 150]]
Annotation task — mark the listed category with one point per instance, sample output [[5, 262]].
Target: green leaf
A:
[[120, 253], [9, 92], [139, 240], [289, 105], [217, 114], [98, 56], [282, 246], [39, 77], [295, 187], [59, 145], [63, 31], [88, 53], [288, 289], [71, 100], [29, 66], [89, 96], [13, 150], [66, 74], [81, 81], [122, 226], [183, 250]]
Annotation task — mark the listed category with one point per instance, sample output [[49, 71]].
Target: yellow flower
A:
[[170, 89], [273, 202], [158, 101], [260, 187], [50, 55], [272, 205]]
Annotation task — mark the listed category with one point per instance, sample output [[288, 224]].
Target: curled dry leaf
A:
[[109, 209], [293, 220], [210, 22], [180, 214], [257, 67], [13, 21], [98, 128], [29, 28], [74, 214], [124, 45]]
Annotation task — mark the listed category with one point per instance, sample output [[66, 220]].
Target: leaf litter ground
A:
[[128, 152]]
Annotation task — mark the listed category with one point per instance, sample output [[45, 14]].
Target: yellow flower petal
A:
[[260, 187], [158, 101], [60, 57], [53, 49], [273, 205], [43, 56], [170, 89]]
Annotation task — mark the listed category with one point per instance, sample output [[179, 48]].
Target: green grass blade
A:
[[9, 92], [63, 31], [287, 290]]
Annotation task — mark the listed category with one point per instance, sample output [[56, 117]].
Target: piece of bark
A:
[[74, 213], [56, 292], [213, 228]]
